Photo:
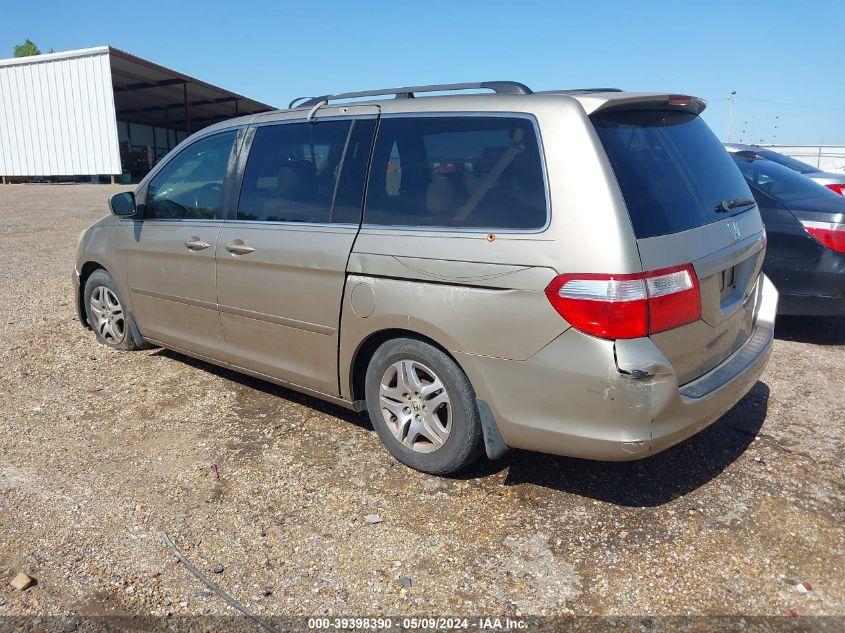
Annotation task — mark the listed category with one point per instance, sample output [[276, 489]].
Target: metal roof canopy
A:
[[59, 111], [150, 94]]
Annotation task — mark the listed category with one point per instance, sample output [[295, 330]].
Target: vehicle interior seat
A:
[[294, 195], [446, 194]]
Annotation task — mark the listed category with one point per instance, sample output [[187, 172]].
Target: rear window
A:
[[671, 168], [462, 171], [788, 161], [780, 182]]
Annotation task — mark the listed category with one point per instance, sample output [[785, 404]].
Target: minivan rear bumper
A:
[[571, 398]]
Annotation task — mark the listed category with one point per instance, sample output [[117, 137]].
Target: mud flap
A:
[[494, 445]]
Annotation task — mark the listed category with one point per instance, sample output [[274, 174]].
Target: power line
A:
[[780, 103], [792, 105]]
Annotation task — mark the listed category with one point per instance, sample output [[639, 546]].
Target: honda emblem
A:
[[733, 229]]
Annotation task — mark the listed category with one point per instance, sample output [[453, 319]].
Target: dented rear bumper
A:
[[598, 399]]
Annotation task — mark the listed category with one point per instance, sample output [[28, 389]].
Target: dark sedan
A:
[[834, 181], [805, 224]]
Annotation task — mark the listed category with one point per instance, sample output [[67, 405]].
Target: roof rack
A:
[[408, 92]]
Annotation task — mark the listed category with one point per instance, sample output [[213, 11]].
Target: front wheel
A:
[[111, 321], [423, 407]]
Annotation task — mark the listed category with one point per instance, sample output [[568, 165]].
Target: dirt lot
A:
[[101, 452]]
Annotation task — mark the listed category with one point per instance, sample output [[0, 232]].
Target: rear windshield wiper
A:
[[726, 205]]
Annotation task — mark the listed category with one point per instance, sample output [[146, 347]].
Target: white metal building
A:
[[101, 111]]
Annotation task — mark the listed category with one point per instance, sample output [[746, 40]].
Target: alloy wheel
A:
[[109, 320], [415, 406]]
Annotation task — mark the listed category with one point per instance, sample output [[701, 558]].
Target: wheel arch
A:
[[368, 346], [87, 269]]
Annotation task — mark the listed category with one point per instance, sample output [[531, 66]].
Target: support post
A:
[[4, 179], [187, 118], [112, 180], [167, 127]]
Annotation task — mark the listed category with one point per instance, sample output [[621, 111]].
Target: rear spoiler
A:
[[602, 102]]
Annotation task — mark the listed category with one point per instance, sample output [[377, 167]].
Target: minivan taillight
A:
[[839, 188], [627, 306], [831, 234]]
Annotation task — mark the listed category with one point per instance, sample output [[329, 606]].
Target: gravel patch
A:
[[294, 508]]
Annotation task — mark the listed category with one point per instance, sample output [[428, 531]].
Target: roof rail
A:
[[499, 87]]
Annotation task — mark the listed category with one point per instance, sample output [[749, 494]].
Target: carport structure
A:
[[148, 94], [101, 111]]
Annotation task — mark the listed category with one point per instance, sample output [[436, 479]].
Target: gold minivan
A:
[[574, 272]]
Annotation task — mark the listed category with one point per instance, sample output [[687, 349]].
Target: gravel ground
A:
[[102, 451]]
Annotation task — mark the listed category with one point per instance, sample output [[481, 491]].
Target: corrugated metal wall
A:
[[57, 116]]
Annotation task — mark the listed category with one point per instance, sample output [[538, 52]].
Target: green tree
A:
[[26, 49]]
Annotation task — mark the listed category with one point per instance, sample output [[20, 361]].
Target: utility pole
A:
[[732, 98]]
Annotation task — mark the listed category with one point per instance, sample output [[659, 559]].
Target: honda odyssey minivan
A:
[[573, 272]]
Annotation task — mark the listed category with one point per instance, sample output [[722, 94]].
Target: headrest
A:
[[446, 194], [296, 181]]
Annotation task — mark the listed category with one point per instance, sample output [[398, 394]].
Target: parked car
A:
[[805, 224], [833, 180], [574, 273]]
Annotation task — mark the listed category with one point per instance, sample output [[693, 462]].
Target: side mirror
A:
[[123, 204]]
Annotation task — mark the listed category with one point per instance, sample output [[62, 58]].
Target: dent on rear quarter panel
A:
[[463, 319], [570, 398]]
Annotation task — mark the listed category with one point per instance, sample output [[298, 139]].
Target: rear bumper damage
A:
[[597, 399]]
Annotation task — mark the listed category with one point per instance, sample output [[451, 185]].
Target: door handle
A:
[[196, 244], [239, 247]]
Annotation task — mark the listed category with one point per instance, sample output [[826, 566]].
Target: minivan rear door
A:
[[688, 203], [281, 260]]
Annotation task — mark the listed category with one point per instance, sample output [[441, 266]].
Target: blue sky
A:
[[784, 59]]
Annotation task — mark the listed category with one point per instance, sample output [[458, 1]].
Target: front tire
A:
[[112, 323], [423, 407]]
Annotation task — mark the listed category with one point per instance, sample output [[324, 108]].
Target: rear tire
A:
[[423, 407], [108, 316]]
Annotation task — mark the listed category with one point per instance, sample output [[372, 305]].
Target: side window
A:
[[478, 172], [291, 172], [190, 186], [350, 187]]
